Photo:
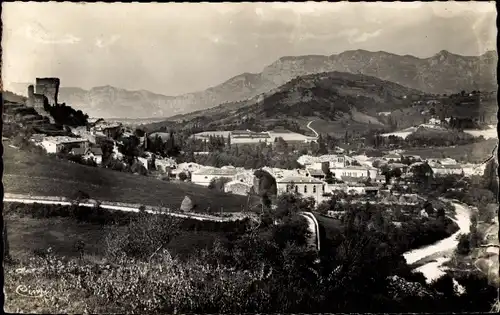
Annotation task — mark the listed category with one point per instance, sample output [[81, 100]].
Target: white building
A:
[[473, 169], [445, 161], [247, 136], [434, 121], [354, 171], [394, 156], [245, 176], [306, 186], [316, 162], [237, 187], [206, 175], [89, 154], [441, 170], [57, 143], [163, 164]]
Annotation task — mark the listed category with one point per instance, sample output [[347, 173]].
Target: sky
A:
[[177, 48]]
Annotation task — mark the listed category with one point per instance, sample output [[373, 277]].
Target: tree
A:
[[139, 133], [463, 247], [6, 252], [490, 177], [322, 149], [182, 176], [218, 183], [422, 174], [289, 204], [396, 172]]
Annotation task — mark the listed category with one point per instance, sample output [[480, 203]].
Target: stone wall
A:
[[49, 87]]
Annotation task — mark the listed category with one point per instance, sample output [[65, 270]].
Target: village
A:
[[250, 158], [388, 177]]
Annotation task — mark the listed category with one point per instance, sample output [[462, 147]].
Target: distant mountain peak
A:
[[442, 73]]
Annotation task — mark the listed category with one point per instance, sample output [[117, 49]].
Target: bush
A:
[[183, 177], [463, 247], [218, 183], [143, 236]]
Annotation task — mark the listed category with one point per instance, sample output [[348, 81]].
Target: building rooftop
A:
[[392, 156], [354, 179], [96, 151], [400, 165], [237, 183], [329, 158], [64, 139], [455, 166], [314, 172], [107, 125], [217, 171], [78, 151], [300, 180]]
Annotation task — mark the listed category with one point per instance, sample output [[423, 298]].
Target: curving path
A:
[[310, 128], [113, 206]]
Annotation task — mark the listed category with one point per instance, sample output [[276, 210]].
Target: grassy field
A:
[[27, 235], [28, 173], [335, 128], [472, 153]]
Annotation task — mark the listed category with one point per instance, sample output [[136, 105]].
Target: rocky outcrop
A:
[[187, 204]]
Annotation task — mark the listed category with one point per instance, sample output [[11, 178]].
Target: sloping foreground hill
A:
[[28, 173], [442, 73], [332, 96]]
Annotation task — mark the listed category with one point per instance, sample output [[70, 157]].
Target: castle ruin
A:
[[48, 87], [44, 93]]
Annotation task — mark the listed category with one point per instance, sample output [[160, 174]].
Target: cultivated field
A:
[[471, 153], [336, 128], [28, 173]]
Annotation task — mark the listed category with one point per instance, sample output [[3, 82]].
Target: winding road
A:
[[26, 199], [310, 128]]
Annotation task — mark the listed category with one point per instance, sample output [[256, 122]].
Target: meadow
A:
[[471, 153], [40, 175]]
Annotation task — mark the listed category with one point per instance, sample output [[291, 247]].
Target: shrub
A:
[[463, 247], [143, 236], [218, 183], [183, 177]]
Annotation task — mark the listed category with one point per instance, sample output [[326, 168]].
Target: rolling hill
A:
[[442, 73], [337, 97], [40, 175]]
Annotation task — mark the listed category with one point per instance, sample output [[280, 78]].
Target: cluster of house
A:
[[83, 141], [252, 137], [353, 175]]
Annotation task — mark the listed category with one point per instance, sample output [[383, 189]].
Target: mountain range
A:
[[444, 72], [336, 98]]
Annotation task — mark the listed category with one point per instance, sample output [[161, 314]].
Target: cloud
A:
[[40, 35], [365, 36], [101, 43]]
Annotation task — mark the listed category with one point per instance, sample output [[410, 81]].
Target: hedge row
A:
[[102, 216]]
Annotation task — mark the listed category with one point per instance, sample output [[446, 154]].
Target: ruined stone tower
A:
[[49, 87], [31, 91], [31, 96]]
